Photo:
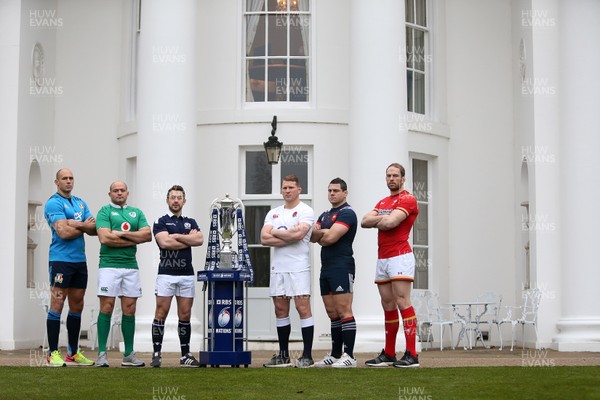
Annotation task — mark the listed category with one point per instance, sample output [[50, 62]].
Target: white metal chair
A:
[[524, 314], [115, 323], [439, 316], [418, 300]]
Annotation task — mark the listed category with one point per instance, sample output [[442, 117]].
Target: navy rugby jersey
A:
[[339, 253], [175, 262]]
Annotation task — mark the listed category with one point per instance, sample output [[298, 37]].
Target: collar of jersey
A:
[[119, 207]]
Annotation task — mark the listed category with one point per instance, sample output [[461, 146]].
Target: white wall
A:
[[481, 169]]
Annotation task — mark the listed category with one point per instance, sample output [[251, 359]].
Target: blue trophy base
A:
[[232, 358]]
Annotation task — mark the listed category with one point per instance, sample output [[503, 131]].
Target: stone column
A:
[[377, 104], [166, 136], [579, 325]]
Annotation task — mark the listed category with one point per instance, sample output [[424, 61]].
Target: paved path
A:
[[477, 357]]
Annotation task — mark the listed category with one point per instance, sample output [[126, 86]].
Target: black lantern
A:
[[273, 146]]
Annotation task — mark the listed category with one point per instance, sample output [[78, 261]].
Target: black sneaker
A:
[[156, 360], [188, 361], [382, 360], [407, 361], [278, 361]]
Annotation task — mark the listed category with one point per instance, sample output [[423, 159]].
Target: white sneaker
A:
[[345, 361], [326, 362]]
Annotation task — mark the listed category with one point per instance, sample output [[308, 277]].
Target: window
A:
[[262, 191], [421, 227], [417, 57], [277, 50]]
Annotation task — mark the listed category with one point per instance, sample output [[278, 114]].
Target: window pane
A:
[[419, 93], [421, 13], [272, 5], [258, 173], [261, 261], [255, 35], [418, 52], [278, 87], [409, 91], [420, 228], [420, 185], [409, 47], [253, 222], [295, 162], [255, 91], [298, 87], [255, 5], [278, 35], [410, 11], [299, 34], [421, 268]]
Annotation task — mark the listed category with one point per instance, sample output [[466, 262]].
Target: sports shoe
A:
[[156, 360], [407, 361], [305, 362], [55, 360], [78, 360], [326, 362], [102, 360], [382, 360], [188, 361], [345, 361], [278, 361], [132, 361]]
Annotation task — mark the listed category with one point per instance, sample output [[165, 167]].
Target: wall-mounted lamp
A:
[[273, 146]]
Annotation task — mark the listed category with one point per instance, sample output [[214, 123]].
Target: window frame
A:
[[427, 58], [429, 201]]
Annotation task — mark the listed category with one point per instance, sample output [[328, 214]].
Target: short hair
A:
[[341, 182], [291, 178], [176, 188], [399, 166], [111, 185]]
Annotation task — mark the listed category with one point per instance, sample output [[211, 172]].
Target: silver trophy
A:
[[227, 209]]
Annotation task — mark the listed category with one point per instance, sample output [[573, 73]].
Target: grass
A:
[[259, 383]]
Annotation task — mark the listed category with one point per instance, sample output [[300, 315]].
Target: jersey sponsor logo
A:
[[58, 278], [384, 212], [125, 227], [77, 216], [275, 216], [132, 214]]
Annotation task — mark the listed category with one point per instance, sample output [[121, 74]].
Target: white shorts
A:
[[175, 285], [289, 284], [399, 268], [115, 282]]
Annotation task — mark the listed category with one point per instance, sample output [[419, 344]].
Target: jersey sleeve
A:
[[159, 226], [346, 217], [86, 211], [195, 225], [102, 218], [142, 222], [269, 217], [54, 211], [307, 215], [408, 205]]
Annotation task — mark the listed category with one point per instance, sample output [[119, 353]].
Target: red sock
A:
[[391, 330], [409, 319]]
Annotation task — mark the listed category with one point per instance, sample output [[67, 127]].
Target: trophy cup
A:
[[227, 208]]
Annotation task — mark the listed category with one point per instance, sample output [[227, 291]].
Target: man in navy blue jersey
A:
[[335, 230], [175, 236]]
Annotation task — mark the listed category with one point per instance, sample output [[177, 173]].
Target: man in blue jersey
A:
[[335, 231], [175, 236], [69, 218]]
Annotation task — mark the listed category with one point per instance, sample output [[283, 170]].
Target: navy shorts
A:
[[68, 274], [336, 281]]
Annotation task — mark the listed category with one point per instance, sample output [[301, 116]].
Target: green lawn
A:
[[259, 383]]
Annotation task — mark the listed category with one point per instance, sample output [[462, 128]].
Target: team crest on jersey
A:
[[295, 214], [132, 214], [58, 278], [187, 225], [125, 227], [81, 206], [334, 217]]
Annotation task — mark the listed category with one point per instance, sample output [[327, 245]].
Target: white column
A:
[[378, 100], [166, 133], [579, 87]]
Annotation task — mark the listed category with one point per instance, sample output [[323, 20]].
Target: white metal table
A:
[[468, 318]]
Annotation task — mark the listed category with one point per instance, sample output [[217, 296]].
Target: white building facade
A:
[[489, 105]]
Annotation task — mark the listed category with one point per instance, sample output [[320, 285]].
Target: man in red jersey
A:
[[394, 217]]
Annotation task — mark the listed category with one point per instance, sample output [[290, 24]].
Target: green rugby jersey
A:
[[125, 219]]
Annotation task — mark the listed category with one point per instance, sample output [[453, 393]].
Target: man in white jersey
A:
[[287, 228]]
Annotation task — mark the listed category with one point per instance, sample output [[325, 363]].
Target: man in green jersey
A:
[[120, 229]]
